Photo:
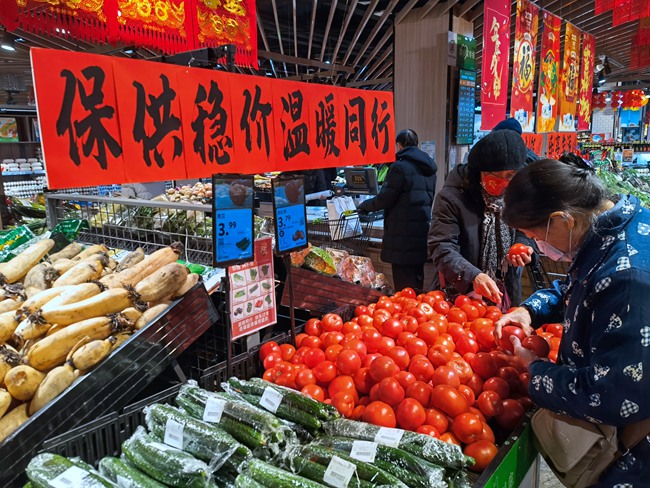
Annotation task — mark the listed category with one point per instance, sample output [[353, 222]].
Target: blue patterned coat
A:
[[603, 370]]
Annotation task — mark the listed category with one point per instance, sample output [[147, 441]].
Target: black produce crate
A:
[[113, 383]]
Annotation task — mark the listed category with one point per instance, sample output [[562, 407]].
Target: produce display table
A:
[[114, 382]]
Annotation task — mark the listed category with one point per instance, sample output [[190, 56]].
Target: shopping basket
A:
[[348, 233]]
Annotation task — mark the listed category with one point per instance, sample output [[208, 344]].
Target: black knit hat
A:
[[509, 123], [498, 151]]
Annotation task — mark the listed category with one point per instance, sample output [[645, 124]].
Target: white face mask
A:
[[553, 252]]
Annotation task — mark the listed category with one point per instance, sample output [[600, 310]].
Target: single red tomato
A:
[[467, 427], [410, 324], [360, 310], [348, 362], [428, 430], [362, 381], [416, 346], [404, 337], [332, 322], [313, 391], [410, 414], [428, 332], [421, 368], [391, 391], [272, 359], [267, 348], [314, 327], [488, 433], [366, 321], [480, 323], [456, 331], [467, 344], [483, 453], [405, 379], [556, 329], [457, 315], [342, 383], [304, 378], [380, 414], [311, 342], [511, 414], [332, 352], [383, 367], [442, 307], [330, 338], [349, 327], [325, 372], [449, 438], [499, 385], [476, 384], [444, 375], [462, 300], [439, 355], [370, 358], [484, 365], [358, 346], [386, 345], [485, 338], [437, 419], [471, 311], [519, 249], [482, 307], [392, 328], [400, 356], [537, 344], [449, 400], [508, 331], [372, 339], [420, 391], [408, 293], [468, 393], [490, 403], [313, 357], [462, 368], [344, 403]]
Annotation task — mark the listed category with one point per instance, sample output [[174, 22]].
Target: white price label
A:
[[214, 408], [339, 472], [389, 437], [271, 399], [162, 447], [364, 451], [123, 482], [174, 434], [70, 478]]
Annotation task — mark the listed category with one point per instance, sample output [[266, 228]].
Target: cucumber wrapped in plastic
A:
[[45, 468], [124, 473], [204, 441], [424, 446], [413, 470], [164, 463]]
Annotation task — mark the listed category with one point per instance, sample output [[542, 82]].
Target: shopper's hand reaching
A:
[[520, 317], [487, 288], [526, 356]]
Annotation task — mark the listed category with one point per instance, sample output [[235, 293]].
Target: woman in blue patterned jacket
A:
[[603, 369]]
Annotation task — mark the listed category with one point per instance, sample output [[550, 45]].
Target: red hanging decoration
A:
[[629, 11], [603, 6]]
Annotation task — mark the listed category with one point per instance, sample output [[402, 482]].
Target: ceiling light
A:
[[7, 42]]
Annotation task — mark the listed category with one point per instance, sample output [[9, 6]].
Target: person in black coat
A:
[[406, 198], [468, 242]]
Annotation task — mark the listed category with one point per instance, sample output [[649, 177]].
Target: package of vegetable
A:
[[204, 441], [424, 446], [257, 429], [320, 261], [413, 470], [125, 474], [164, 463], [270, 476], [53, 470], [298, 257], [272, 397]]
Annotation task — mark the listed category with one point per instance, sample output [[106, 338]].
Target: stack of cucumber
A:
[[256, 434]]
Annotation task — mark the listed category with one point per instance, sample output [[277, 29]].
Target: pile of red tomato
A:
[[418, 363]]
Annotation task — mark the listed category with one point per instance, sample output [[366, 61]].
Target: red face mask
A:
[[494, 185]]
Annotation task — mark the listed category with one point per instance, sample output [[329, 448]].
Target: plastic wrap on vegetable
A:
[[413, 470], [259, 430], [204, 441], [284, 402], [298, 257], [123, 473], [49, 469], [361, 470], [357, 269], [424, 446], [320, 261], [337, 256], [164, 463], [271, 476]]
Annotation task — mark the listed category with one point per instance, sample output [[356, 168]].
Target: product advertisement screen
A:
[[290, 214], [232, 222]]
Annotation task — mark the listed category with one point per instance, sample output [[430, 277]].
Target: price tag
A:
[[213, 410], [364, 451], [271, 399], [389, 437], [289, 213], [72, 477], [339, 472], [123, 482], [174, 434]]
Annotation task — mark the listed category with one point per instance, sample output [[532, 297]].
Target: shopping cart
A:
[[348, 233], [545, 272]]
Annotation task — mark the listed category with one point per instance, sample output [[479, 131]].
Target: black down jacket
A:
[[406, 198], [455, 237]]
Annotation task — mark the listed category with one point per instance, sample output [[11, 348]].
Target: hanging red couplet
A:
[[569, 78], [496, 57], [533, 142], [560, 142], [78, 118], [150, 121], [111, 120], [521, 100], [547, 106], [586, 81]]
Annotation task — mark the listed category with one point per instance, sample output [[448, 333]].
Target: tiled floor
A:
[[546, 477]]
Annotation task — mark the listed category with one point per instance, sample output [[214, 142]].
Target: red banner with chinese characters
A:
[[228, 22], [523, 71], [533, 142], [569, 79], [629, 11], [549, 69], [603, 6], [560, 142], [586, 81], [169, 26], [107, 120], [496, 58]]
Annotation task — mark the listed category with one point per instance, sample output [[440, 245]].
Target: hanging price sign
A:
[[290, 214], [232, 221]]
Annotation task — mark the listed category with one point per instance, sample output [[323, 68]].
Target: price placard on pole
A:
[[232, 219], [290, 214]]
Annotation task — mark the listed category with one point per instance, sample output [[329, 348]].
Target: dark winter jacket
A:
[[603, 370], [406, 198], [454, 240]]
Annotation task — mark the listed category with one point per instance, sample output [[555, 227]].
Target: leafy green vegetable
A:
[[238, 278], [240, 293], [265, 269]]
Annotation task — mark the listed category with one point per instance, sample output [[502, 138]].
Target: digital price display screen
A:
[[290, 214], [232, 219], [466, 106]]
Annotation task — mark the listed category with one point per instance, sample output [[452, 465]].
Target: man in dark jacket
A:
[[467, 241], [406, 198], [513, 124]]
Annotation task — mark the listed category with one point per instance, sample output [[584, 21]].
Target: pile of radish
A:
[[419, 363]]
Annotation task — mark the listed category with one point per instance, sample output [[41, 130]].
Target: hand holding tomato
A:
[[526, 356], [520, 254], [519, 316]]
